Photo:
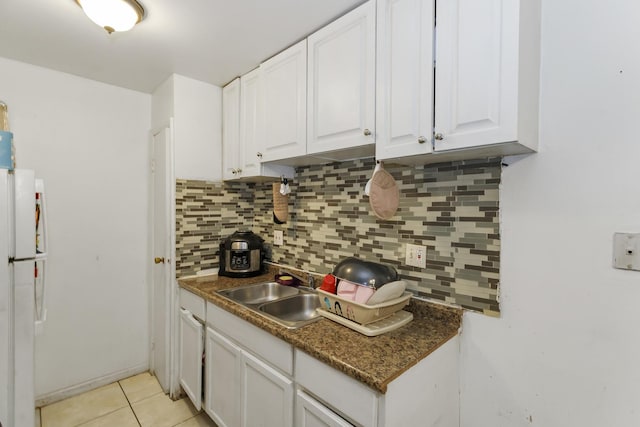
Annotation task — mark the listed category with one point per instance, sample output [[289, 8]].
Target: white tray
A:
[[397, 319]]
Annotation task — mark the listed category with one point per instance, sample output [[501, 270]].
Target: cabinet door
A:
[[223, 380], [311, 413], [476, 73], [231, 129], [341, 82], [191, 343], [250, 122], [404, 89], [284, 80], [267, 395]]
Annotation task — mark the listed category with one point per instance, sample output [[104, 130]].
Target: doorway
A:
[[162, 266]]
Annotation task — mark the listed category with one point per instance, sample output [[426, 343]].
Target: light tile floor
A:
[[133, 402]]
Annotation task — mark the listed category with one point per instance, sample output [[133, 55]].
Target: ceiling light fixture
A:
[[113, 15]]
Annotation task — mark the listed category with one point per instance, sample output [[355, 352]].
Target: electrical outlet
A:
[[278, 238], [416, 256], [626, 251]]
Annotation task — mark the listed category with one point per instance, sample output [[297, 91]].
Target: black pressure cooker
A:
[[242, 255]]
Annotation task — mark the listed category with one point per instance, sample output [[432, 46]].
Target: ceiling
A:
[[208, 40]]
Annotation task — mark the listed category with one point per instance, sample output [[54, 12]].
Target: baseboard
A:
[[64, 393]]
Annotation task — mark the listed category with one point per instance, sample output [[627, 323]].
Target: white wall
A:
[[89, 142], [162, 102], [196, 108], [198, 129], [566, 351]]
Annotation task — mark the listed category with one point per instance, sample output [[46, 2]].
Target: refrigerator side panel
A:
[[6, 297], [25, 213], [24, 381]]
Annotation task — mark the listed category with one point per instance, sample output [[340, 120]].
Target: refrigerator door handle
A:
[[42, 238], [42, 247]]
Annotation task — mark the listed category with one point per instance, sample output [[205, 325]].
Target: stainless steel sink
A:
[[294, 311], [259, 293], [291, 307]]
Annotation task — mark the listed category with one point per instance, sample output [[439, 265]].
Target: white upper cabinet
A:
[[341, 83], [195, 108], [231, 129], [243, 130], [486, 73], [251, 125], [284, 82], [404, 89], [414, 81], [456, 79]]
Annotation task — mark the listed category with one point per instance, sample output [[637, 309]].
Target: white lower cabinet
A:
[[191, 346], [191, 343], [242, 390], [267, 395], [254, 379], [311, 413], [248, 374], [426, 395], [223, 380]]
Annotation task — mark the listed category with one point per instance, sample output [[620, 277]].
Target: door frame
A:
[[172, 288]]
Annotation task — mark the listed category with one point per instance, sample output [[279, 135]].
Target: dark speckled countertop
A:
[[375, 361]]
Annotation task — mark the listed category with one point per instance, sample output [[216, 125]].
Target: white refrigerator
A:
[[22, 269]]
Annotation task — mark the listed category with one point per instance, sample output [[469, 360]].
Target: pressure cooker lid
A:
[[253, 240]]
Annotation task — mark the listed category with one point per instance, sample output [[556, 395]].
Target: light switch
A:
[[626, 251]]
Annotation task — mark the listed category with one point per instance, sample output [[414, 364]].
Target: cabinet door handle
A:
[[367, 132], [259, 155], [439, 136], [234, 171], [422, 140], [158, 260]]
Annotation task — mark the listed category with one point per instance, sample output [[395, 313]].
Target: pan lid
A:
[[365, 273]]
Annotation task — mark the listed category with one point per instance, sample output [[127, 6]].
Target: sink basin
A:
[[259, 293], [293, 310], [290, 307]]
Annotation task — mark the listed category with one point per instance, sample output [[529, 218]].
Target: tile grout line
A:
[[129, 402], [98, 417], [94, 418]]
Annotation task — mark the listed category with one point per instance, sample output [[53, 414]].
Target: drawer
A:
[[193, 303], [339, 391], [267, 347]]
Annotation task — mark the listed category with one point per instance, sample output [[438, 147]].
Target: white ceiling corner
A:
[[208, 40]]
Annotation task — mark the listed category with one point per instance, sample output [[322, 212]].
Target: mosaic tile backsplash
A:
[[451, 208], [205, 211]]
